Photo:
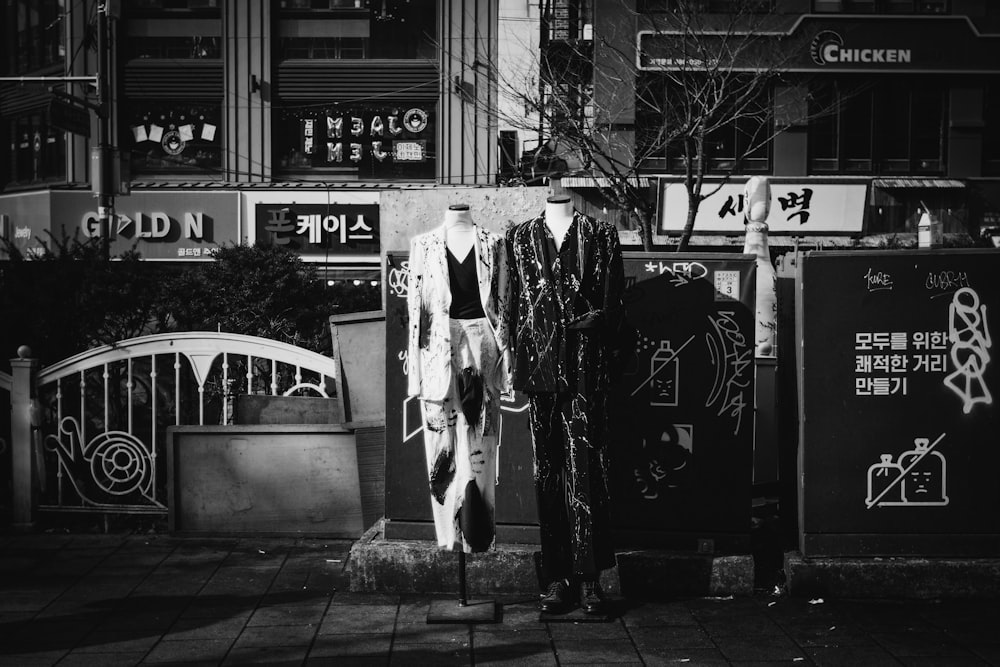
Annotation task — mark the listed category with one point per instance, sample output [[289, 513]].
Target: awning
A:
[[590, 182], [926, 183]]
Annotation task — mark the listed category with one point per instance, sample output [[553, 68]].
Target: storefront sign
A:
[[373, 142], [829, 43], [900, 383], [320, 229], [159, 225], [798, 208]]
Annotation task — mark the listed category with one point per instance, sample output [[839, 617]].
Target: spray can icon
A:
[[663, 370]]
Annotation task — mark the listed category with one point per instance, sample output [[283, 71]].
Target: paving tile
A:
[[290, 614], [749, 647], [653, 613], [116, 659], [189, 650], [56, 632], [211, 606], [568, 631], [689, 657], [670, 637], [277, 635], [352, 645], [30, 658], [511, 637], [597, 651], [407, 655], [943, 661], [741, 624], [348, 661], [359, 619], [273, 656], [190, 629], [828, 633], [989, 653], [919, 642], [245, 581], [116, 641], [347, 597], [851, 656], [526, 655], [441, 635]]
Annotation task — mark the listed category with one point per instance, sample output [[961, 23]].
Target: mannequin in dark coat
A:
[[566, 320]]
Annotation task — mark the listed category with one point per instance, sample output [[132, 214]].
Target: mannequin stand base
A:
[[474, 611]]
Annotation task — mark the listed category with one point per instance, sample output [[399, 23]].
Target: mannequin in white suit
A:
[[457, 366]]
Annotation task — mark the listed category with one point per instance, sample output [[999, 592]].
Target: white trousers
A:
[[460, 440]]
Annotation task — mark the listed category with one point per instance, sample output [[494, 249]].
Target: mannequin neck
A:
[[458, 232], [558, 218], [458, 219]]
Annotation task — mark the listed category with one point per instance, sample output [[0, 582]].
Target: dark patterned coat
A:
[[560, 324]]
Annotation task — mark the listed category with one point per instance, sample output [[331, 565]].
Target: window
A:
[[887, 127], [738, 140], [356, 29], [33, 32], [991, 130], [881, 6], [707, 6], [37, 151], [172, 137], [357, 142]]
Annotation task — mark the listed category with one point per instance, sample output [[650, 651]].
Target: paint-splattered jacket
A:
[[566, 316], [429, 369]]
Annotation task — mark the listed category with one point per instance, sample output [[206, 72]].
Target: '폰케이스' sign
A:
[[796, 208], [900, 384], [320, 229]]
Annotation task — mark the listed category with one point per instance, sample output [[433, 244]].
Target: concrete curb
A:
[[911, 578], [405, 566]]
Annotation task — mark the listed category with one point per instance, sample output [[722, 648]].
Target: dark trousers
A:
[[569, 436]]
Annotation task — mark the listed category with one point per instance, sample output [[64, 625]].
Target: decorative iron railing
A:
[[102, 415]]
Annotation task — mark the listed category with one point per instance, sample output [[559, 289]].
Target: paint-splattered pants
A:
[[571, 482], [460, 439]]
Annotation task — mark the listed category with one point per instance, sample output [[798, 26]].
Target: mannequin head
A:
[[757, 199]]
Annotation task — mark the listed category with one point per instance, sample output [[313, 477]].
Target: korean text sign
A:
[[802, 207], [317, 229]]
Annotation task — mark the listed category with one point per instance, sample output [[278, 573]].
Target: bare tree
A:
[[699, 94]]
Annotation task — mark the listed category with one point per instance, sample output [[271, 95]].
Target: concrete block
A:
[[897, 578], [410, 566], [664, 574]]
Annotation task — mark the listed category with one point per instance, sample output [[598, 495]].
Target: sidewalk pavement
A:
[[68, 599]]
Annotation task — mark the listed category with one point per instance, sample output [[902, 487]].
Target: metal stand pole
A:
[[466, 611]]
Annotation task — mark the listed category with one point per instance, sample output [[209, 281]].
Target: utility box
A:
[[899, 422]]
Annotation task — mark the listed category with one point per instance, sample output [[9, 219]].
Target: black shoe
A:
[[557, 599], [591, 598]]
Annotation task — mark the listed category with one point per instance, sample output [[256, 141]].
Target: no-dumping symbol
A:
[[918, 478]]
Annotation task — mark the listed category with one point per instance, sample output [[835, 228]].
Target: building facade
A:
[[883, 109], [267, 120]]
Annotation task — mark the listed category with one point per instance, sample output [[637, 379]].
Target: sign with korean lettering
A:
[[900, 384], [798, 208], [683, 416], [318, 229]]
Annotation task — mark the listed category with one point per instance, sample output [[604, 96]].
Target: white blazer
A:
[[429, 300]]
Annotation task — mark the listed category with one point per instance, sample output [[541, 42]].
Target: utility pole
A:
[[102, 167]]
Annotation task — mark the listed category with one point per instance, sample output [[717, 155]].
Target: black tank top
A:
[[465, 304]]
